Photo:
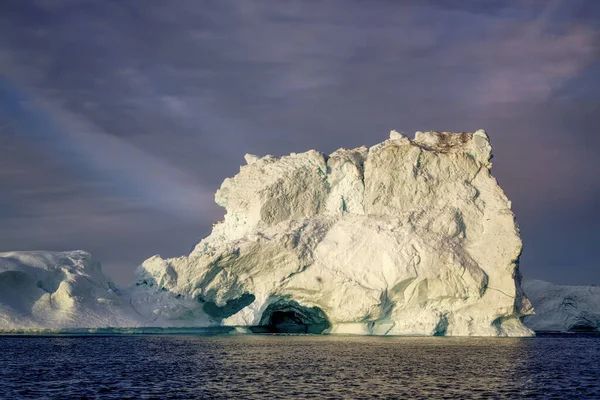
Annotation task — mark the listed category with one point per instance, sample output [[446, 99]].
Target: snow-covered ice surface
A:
[[408, 237], [53, 290], [403, 238], [563, 308], [41, 290]]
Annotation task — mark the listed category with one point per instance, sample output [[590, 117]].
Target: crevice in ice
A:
[[299, 271], [442, 326], [231, 306], [584, 324], [417, 166], [498, 290]]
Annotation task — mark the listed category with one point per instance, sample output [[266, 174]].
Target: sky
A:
[[119, 119]]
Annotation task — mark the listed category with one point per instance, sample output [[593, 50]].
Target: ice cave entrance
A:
[[290, 317]]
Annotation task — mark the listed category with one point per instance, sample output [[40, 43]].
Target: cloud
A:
[[157, 103], [529, 61], [134, 171]]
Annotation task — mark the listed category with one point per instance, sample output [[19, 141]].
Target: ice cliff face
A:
[[47, 290], [563, 308], [405, 237]]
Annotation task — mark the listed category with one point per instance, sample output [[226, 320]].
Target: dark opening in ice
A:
[[583, 327], [287, 316]]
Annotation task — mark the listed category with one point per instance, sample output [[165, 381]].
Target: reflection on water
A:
[[268, 366]]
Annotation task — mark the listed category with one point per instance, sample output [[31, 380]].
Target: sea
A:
[[269, 366]]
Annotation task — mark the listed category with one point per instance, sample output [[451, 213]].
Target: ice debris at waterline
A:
[[563, 308], [403, 238]]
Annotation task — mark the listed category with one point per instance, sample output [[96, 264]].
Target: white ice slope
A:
[[563, 308], [405, 237], [54, 290], [41, 290]]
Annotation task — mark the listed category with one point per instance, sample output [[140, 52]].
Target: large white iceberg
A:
[[403, 238], [563, 308], [408, 237]]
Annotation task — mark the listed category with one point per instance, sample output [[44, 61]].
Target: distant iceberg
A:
[[408, 237], [563, 308], [53, 290]]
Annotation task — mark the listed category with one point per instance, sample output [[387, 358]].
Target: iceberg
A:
[[67, 291], [58, 290], [407, 237], [563, 308]]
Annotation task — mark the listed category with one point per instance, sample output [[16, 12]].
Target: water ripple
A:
[[299, 367]]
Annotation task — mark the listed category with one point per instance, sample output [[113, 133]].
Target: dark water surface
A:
[[249, 367]]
